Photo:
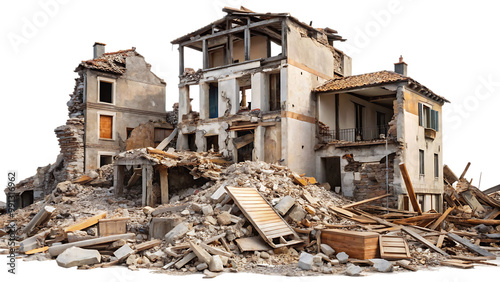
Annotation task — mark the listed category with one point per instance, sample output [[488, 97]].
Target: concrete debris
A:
[[381, 265], [353, 270], [177, 232], [306, 261], [123, 252], [284, 205], [342, 257], [202, 266], [75, 256], [216, 264], [224, 218], [327, 250]]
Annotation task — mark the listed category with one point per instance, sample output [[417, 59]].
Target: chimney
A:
[[98, 49], [401, 67]]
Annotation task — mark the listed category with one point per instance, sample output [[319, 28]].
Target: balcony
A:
[[354, 134]]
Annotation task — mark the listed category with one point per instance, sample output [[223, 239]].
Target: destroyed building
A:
[[114, 93], [275, 89]]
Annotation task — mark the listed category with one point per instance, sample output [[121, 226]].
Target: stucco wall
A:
[[415, 140]]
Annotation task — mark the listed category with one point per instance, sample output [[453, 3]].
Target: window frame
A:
[[113, 89], [436, 166], [103, 153], [113, 125], [421, 162], [427, 117]]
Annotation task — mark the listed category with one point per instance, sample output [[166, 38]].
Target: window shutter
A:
[[106, 127], [420, 114], [436, 120]]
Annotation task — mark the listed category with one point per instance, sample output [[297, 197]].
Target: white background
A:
[[451, 47]]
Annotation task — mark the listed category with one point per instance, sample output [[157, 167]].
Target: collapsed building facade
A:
[[275, 89]]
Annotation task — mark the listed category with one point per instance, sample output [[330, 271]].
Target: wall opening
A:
[[129, 131], [421, 159], [194, 98], [179, 179], [274, 92], [105, 160], [27, 198], [105, 92], [245, 145], [213, 100], [213, 143], [276, 49], [191, 137], [332, 172]]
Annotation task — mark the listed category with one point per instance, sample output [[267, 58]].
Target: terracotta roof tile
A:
[[373, 79], [114, 62]]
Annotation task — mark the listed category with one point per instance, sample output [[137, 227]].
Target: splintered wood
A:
[[268, 223]]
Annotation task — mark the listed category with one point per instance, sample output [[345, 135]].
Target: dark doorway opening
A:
[[332, 172]]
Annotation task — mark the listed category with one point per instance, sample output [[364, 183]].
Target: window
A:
[[421, 159], [129, 131], [213, 143], [105, 91], [105, 160], [105, 127], [428, 117], [436, 165], [213, 101]]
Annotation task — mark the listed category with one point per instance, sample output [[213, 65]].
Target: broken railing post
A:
[[409, 188]]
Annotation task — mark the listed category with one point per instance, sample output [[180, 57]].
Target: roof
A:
[[375, 79], [113, 62], [245, 13]]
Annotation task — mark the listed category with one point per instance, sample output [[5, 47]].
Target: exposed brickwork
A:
[[371, 179], [75, 103], [70, 137]]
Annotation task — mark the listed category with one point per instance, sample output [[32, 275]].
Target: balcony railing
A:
[[354, 134]]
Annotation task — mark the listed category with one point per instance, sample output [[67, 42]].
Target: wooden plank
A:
[[85, 223], [472, 201], [449, 175], [164, 184], [423, 240], [39, 250], [474, 221], [406, 266], [112, 226], [152, 150], [469, 245], [469, 258], [215, 251], [440, 240], [187, 258], [456, 264], [465, 171], [492, 190], [441, 218], [41, 217], [393, 247], [164, 143], [201, 253], [242, 141], [365, 201], [342, 211], [409, 188], [416, 219], [147, 245], [58, 249], [250, 244]]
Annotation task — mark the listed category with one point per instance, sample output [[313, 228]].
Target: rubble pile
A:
[[209, 229]]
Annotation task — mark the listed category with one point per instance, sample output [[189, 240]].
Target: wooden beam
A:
[[492, 190], [147, 245], [152, 150], [465, 171], [164, 184], [247, 44], [409, 188], [144, 185], [41, 217], [365, 201], [118, 175], [423, 240], [441, 218], [284, 36], [85, 223], [206, 59], [232, 31], [473, 221], [149, 185], [181, 60], [39, 250], [469, 245], [58, 249], [215, 251]]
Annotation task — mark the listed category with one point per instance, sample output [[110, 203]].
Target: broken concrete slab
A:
[[284, 205], [219, 194], [297, 214], [216, 264], [224, 218], [207, 210], [342, 257], [76, 256], [177, 232], [160, 226], [202, 266], [306, 261]]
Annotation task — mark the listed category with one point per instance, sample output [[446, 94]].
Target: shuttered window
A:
[[427, 117], [105, 127]]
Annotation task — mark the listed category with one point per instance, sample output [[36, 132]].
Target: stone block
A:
[[382, 265], [177, 232], [327, 250], [216, 264], [306, 261], [284, 205], [353, 270], [342, 257], [297, 214], [224, 218]]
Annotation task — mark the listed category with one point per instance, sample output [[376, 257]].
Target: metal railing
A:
[[354, 134]]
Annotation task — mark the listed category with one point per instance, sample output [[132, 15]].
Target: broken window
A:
[[105, 91], [274, 92], [129, 131], [436, 165], [359, 121], [381, 124], [105, 127], [244, 144], [213, 143], [428, 117], [421, 160], [105, 160], [245, 92], [191, 138], [213, 101]]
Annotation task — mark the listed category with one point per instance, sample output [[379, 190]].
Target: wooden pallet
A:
[[268, 223], [393, 247]]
